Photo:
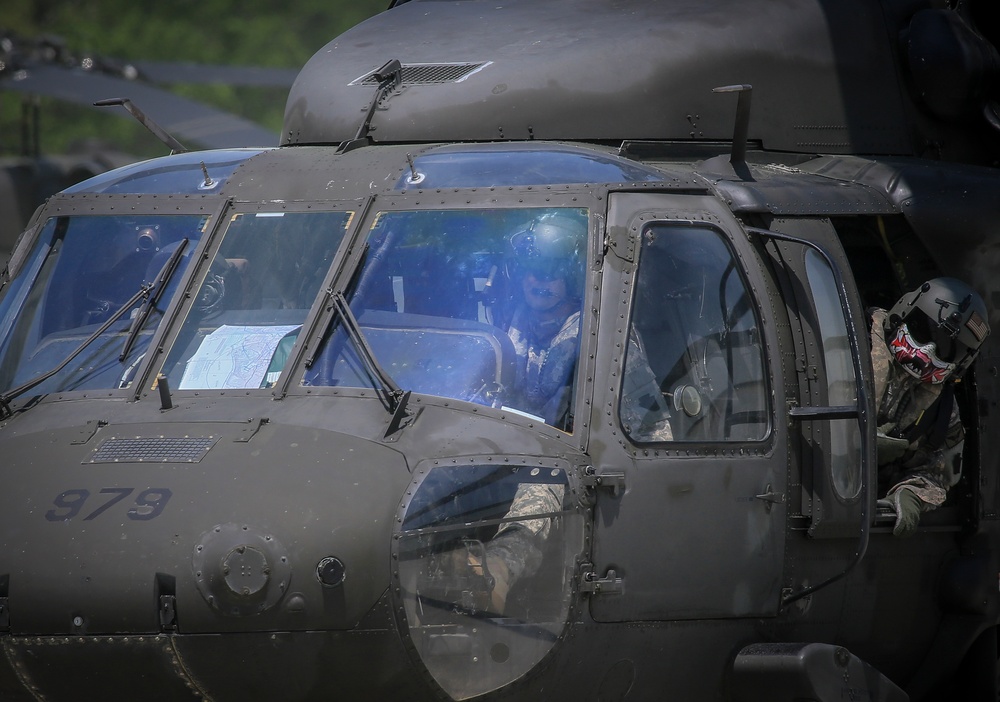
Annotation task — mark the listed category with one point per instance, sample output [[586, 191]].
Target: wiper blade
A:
[[389, 393], [386, 388], [166, 273], [6, 398]]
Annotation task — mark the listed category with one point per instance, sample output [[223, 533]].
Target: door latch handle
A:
[[771, 498]]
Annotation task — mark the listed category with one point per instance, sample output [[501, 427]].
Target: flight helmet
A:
[[935, 331], [551, 247]]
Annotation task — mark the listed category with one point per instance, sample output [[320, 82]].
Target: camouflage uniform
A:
[[644, 412], [546, 358], [516, 550], [902, 399], [530, 499]]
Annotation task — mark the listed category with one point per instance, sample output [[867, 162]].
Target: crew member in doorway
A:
[[920, 349]]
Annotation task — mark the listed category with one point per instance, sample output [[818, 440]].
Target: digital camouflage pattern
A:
[[518, 542], [644, 411], [516, 550], [546, 356]]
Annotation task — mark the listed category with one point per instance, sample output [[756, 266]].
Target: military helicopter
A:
[[265, 430], [45, 67]]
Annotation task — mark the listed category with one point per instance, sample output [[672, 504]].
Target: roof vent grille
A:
[[430, 73]]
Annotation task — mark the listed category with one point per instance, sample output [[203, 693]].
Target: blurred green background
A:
[[264, 33]]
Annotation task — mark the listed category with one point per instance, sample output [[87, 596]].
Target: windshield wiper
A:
[[389, 393], [166, 273], [6, 398], [385, 387]]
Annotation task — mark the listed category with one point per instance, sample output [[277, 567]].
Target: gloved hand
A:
[[889, 449], [908, 508]]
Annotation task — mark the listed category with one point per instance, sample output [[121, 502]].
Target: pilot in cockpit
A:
[[546, 268], [920, 349]]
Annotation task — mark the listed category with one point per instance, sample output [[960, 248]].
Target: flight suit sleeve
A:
[[930, 473], [518, 543]]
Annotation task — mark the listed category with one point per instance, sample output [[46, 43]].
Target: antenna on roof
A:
[[738, 154]]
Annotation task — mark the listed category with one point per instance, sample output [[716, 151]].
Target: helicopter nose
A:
[[240, 570]]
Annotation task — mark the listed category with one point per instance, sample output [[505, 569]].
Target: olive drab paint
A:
[[262, 433]]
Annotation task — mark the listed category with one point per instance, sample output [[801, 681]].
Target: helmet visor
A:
[[923, 330], [532, 258]]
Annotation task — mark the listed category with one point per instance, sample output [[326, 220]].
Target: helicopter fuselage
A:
[[282, 423]]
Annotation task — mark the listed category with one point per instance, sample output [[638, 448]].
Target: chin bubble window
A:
[[485, 558]]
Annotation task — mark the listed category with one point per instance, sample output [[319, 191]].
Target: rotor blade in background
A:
[[167, 72], [186, 119]]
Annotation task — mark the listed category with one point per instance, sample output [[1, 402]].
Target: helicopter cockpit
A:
[[434, 296]]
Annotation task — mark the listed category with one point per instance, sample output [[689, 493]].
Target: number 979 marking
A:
[[69, 504]]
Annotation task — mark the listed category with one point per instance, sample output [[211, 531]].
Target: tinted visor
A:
[[545, 268], [531, 260], [925, 331]]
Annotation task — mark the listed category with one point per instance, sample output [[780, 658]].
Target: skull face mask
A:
[[919, 360]]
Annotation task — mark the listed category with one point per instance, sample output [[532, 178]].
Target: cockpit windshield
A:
[[477, 305], [83, 273], [253, 298]]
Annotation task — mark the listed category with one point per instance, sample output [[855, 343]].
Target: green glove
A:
[[890, 449], [908, 508]]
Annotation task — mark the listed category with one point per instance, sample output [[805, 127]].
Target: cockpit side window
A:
[[476, 305], [253, 298], [694, 369]]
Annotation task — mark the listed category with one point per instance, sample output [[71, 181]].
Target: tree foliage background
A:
[[266, 33]]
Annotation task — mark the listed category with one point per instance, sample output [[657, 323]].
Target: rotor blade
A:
[[186, 119], [192, 73]]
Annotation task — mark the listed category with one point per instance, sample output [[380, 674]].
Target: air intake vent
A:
[[152, 450], [430, 73]]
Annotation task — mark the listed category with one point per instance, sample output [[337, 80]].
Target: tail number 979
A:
[[69, 504]]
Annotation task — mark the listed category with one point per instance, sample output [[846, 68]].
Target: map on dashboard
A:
[[236, 357]]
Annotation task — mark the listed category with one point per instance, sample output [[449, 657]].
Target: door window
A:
[[841, 384], [694, 367], [831, 354]]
